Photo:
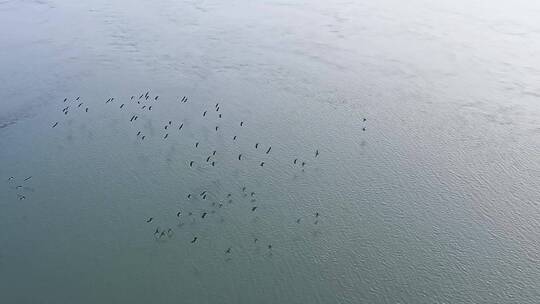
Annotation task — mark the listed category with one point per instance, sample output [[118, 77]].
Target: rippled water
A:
[[437, 201]]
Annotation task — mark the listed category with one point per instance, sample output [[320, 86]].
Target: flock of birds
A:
[[137, 106]]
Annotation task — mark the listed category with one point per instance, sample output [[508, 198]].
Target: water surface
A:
[[437, 201]]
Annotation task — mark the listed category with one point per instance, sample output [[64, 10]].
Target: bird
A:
[[214, 153], [27, 178], [181, 127], [11, 178], [316, 214], [204, 214], [364, 128], [189, 195], [166, 135], [256, 145], [191, 163], [178, 214], [204, 114], [86, 110], [298, 221], [65, 99], [194, 240], [208, 158], [169, 232], [196, 144], [143, 137], [219, 115], [234, 138], [239, 156], [364, 119], [170, 122], [203, 193], [217, 105], [252, 194], [241, 123], [121, 106], [166, 127], [262, 164], [316, 153], [268, 151], [228, 250], [303, 164], [77, 98], [216, 128], [138, 133], [149, 219], [213, 164], [253, 209], [55, 124], [295, 161], [156, 98], [150, 108]]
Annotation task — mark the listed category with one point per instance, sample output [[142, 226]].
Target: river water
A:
[[425, 116]]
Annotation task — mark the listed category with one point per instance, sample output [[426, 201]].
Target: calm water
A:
[[437, 201]]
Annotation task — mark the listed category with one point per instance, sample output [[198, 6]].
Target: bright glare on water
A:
[[404, 164]]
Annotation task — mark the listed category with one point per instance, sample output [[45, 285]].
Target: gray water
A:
[[437, 201]]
